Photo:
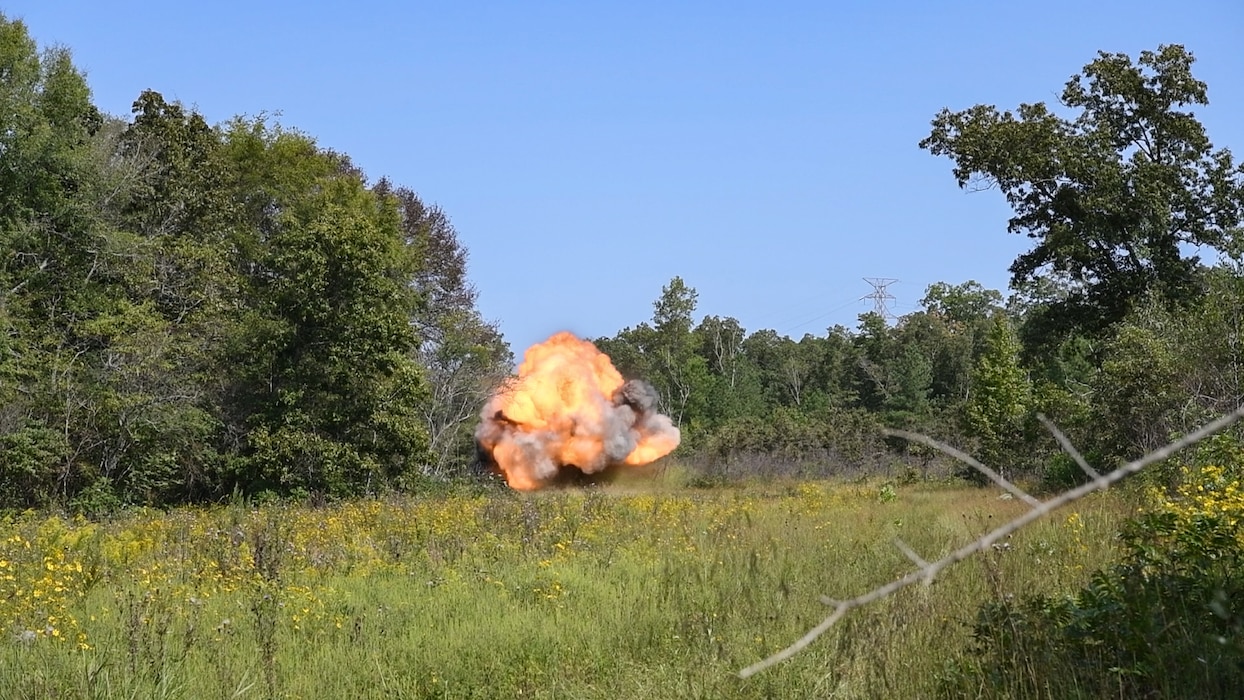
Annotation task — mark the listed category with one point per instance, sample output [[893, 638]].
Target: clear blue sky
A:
[[587, 152]]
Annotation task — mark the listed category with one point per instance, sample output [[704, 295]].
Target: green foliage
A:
[[299, 461], [98, 499], [1061, 473], [598, 594], [1137, 392], [46, 124], [962, 305], [1167, 621], [887, 493], [183, 299], [678, 369], [912, 377], [193, 311], [330, 351], [1210, 343], [1001, 398], [25, 455], [789, 442], [1109, 196]]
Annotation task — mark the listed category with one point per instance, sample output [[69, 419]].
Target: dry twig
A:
[[928, 571]]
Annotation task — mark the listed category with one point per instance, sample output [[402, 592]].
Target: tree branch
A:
[[929, 571], [1069, 448], [966, 459]]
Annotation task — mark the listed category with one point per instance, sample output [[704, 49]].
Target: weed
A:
[[608, 592]]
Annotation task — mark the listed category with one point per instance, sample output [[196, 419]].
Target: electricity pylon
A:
[[880, 295]]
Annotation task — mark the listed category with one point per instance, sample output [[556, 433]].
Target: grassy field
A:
[[628, 591]]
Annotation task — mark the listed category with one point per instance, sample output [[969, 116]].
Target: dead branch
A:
[[1069, 448], [928, 571], [966, 459]]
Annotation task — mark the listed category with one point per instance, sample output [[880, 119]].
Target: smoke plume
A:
[[569, 409]]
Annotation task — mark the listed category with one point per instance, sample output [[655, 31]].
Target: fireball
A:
[[569, 408]]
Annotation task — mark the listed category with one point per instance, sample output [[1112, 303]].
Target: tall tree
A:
[[721, 342], [911, 381], [733, 387], [962, 305], [58, 259], [1000, 398], [875, 348], [954, 324], [325, 383], [1113, 196], [679, 368], [464, 357], [165, 193], [838, 359]]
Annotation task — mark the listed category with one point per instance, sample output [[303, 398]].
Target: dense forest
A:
[[192, 311]]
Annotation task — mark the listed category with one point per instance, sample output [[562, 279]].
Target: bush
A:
[[788, 443], [28, 459], [1167, 621], [1061, 473]]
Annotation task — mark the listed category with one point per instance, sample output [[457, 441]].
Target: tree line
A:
[[1123, 325], [189, 311]]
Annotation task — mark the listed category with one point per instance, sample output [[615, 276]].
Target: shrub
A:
[[1167, 621], [27, 472]]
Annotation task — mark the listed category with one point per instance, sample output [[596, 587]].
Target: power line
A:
[[819, 317], [797, 311]]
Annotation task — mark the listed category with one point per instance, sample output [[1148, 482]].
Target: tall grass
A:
[[605, 593]]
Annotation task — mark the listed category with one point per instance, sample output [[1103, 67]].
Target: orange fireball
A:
[[569, 407]]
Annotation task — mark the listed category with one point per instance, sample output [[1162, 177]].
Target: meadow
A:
[[641, 589]]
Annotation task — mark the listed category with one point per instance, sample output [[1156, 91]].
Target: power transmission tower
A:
[[880, 295]]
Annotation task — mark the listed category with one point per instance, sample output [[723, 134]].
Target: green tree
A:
[[732, 387], [57, 263], [679, 369], [1000, 400], [764, 350], [721, 341], [1137, 397], [1211, 345], [952, 328], [464, 358], [325, 387], [667, 354], [630, 351], [911, 380], [961, 305], [875, 347], [947, 347], [1113, 196], [166, 195], [836, 359]]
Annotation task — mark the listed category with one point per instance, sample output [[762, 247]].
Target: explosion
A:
[[569, 408]]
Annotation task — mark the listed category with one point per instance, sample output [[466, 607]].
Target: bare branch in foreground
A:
[[912, 555], [1069, 448], [926, 573], [966, 459]]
